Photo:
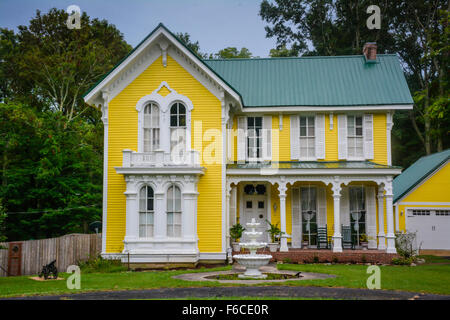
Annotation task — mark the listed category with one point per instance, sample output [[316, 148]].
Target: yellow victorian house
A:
[[194, 146]]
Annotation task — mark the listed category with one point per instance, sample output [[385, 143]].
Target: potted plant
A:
[[363, 241], [305, 242], [235, 234], [274, 232]]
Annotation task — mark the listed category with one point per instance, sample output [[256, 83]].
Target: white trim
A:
[[277, 109], [212, 256], [164, 104], [105, 117], [389, 125], [288, 172], [423, 204], [143, 47], [422, 182]]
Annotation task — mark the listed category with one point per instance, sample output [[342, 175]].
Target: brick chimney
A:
[[370, 51]]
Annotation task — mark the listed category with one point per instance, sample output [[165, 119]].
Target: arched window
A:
[[146, 212], [174, 212], [177, 129], [151, 127]]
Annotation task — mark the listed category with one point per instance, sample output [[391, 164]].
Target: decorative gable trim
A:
[[129, 66]]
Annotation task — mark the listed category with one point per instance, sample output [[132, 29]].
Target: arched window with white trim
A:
[[177, 130], [146, 212], [151, 127], [174, 212]]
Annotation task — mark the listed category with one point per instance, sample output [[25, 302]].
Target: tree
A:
[[194, 46], [51, 172], [282, 52], [51, 66], [233, 53], [416, 30], [2, 223]]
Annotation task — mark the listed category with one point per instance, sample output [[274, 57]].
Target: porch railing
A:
[[159, 158]]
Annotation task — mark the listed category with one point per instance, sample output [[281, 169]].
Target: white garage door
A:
[[432, 226]]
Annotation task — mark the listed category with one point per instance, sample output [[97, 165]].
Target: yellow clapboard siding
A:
[[123, 121]]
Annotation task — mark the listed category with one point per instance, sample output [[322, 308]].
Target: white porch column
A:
[[283, 243], [381, 235], [390, 217], [337, 237], [227, 223]]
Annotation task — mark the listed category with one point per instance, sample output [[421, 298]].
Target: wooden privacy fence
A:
[[66, 250]]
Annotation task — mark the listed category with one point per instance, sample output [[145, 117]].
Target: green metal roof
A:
[[310, 165], [316, 81], [417, 172], [306, 81]]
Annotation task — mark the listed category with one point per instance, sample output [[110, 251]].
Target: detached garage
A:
[[422, 201]]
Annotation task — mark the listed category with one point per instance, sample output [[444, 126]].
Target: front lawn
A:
[[432, 277]]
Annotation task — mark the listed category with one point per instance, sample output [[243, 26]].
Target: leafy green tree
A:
[[49, 66], [2, 223], [282, 52], [416, 30], [233, 53], [194, 46]]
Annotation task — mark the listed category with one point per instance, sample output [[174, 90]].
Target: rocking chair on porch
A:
[[322, 238], [347, 239]]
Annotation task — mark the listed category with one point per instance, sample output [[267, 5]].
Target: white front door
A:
[[255, 206]]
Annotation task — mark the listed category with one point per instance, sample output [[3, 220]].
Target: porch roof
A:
[[310, 165]]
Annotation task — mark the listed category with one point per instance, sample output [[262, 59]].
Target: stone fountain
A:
[[253, 261]]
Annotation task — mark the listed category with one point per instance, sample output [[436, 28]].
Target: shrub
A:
[[287, 260], [100, 265], [316, 259], [406, 245], [236, 231], [402, 261], [335, 259], [363, 258]]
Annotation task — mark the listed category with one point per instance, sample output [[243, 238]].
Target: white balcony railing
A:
[[159, 158]]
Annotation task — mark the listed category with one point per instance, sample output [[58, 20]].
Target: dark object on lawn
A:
[[49, 269], [298, 274]]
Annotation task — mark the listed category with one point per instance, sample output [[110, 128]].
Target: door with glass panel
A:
[[357, 212], [308, 200], [255, 207], [254, 138]]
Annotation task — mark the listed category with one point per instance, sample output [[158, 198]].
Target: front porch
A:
[[350, 203]]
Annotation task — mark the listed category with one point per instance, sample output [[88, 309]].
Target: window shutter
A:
[[296, 219], [368, 136], [371, 217], [342, 136], [320, 136], [242, 139], [345, 207], [267, 138], [295, 138], [321, 207]]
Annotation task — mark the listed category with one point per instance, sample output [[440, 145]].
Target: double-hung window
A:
[[151, 127], [307, 138], [173, 212], [177, 130], [146, 212], [254, 138], [355, 142]]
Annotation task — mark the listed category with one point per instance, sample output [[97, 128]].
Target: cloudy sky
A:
[[216, 24]]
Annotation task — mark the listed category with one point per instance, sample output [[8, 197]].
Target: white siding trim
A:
[[321, 206]]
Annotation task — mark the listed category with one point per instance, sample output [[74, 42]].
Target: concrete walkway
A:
[[256, 291]]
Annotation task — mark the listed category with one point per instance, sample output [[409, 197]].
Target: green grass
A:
[[426, 278], [432, 277], [434, 259], [244, 298]]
